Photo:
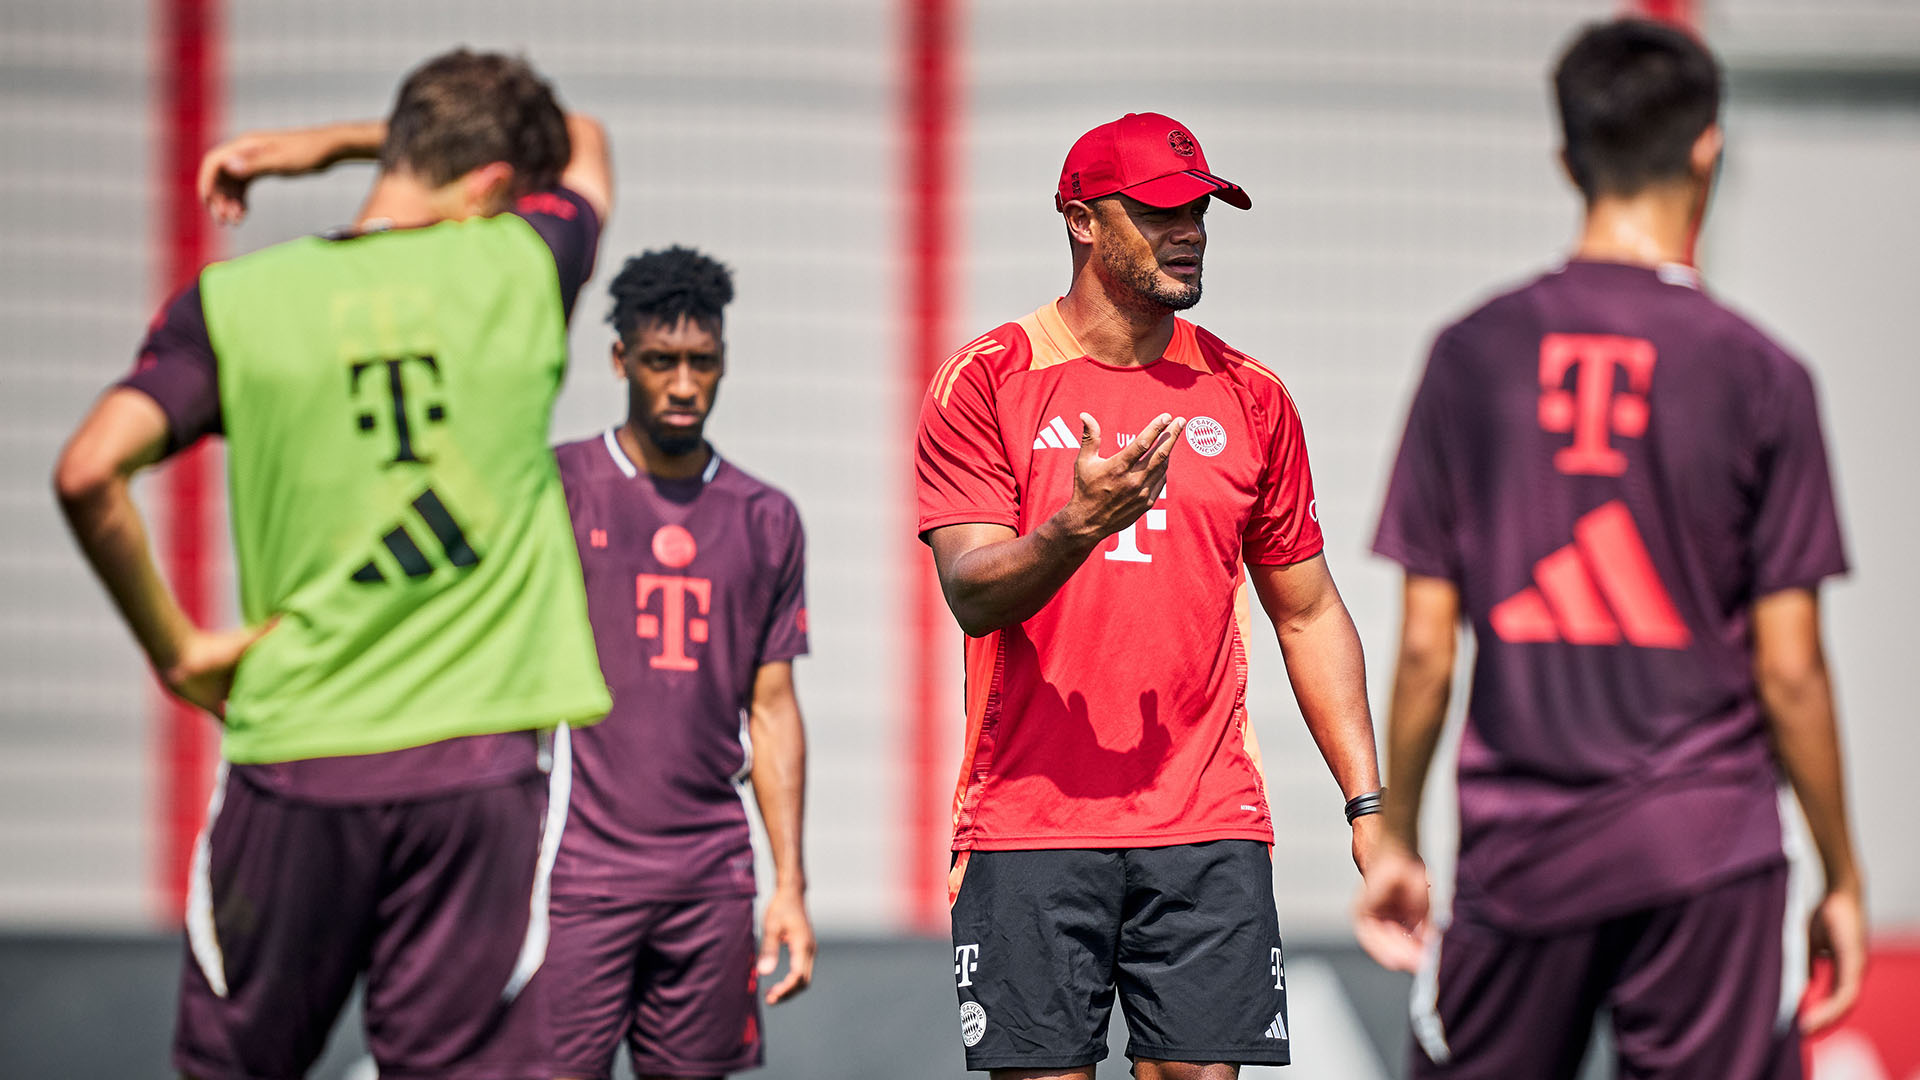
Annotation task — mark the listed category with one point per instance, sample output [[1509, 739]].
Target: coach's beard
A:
[[1143, 277]]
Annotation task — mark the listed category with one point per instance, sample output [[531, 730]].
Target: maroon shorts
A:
[[440, 902], [1701, 987], [675, 978]]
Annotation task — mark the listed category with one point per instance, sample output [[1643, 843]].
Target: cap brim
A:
[[1181, 188]]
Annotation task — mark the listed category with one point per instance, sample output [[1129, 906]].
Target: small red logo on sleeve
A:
[[546, 202], [597, 537]]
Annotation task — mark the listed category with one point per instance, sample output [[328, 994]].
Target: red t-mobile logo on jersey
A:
[[1595, 409], [675, 625]]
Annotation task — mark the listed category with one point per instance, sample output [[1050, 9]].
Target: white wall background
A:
[[1399, 154]]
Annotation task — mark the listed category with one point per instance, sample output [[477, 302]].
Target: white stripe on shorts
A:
[[533, 949], [202, 937], [1802, 897], [1424, 1009]]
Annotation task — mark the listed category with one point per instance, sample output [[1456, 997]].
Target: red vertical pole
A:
[[1683, 13], [186, 68], [928, 115]]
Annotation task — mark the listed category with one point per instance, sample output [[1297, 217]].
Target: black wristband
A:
[[1367, 802]]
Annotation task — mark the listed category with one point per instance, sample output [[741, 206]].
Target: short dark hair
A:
[[462, 109], [668, 286], [1634, 96]]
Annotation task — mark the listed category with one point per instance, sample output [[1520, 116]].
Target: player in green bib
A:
[[416, 643]]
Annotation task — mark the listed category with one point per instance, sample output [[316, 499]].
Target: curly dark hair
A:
[[463, 109], [666, 286]]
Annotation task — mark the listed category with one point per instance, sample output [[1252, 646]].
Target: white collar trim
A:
[[627, 468]]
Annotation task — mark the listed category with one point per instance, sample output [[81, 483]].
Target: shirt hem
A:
[[621, 890], [1127, 840], [266, 749], [1485, 910]]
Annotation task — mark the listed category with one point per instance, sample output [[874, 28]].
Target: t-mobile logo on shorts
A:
[[1279, 969], [966, 961]]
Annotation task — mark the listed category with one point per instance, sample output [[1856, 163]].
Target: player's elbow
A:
[[1788, 678], [83, 475], [972, 623]]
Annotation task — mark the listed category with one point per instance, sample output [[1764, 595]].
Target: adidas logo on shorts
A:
[[1277, 1029]]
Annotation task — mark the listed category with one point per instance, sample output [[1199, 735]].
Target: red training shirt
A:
[[1116, 716]]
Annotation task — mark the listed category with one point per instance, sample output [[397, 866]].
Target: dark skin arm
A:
[[779, 786], [1790, 669], [1329, 678], [993, 577], [1391, 917], [127, 432]]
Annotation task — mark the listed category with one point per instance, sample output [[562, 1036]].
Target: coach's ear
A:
[[618, 355], [1079, 221]]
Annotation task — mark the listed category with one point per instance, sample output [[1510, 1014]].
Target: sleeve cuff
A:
[[1284, 558], [969, 516]]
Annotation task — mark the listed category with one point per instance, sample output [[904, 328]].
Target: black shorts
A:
[[1188, 935]]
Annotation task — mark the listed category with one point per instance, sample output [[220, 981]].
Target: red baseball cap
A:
[[1144, 156]]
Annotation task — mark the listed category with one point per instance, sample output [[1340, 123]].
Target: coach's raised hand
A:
[[1111, 493], [994, 577]]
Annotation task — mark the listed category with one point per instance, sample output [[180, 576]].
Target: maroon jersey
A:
[[1611, 467], [692, 585]]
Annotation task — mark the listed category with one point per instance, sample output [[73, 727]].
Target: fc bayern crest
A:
[[1206, 436], [1181, 142], [973, 1022]]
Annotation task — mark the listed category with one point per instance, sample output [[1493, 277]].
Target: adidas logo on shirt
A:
[[1056, 436]]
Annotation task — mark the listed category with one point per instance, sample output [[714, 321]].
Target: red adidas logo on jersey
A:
[[1599, 590]]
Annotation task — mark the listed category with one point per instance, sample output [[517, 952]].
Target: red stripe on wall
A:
[[186, 68], [928, 116]]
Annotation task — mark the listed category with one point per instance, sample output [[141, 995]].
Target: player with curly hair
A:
[[696, 590]]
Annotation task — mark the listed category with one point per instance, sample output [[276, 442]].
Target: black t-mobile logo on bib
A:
[[396, 387], [432, 512]]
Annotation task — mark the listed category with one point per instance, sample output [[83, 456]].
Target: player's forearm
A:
[[1799, 708], [356, 140], [1005, 583], [779, 780], [589, 171], [1796, 693], [105, 521], [125, 432], [1329, 676], [1422, 683], [1416, 714]]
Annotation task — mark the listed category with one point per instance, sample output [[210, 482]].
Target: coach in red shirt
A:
[[1092, 478]]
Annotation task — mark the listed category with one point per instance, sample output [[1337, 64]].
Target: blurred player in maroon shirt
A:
[[1622, 487], [696, 590], [1093, 478]]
